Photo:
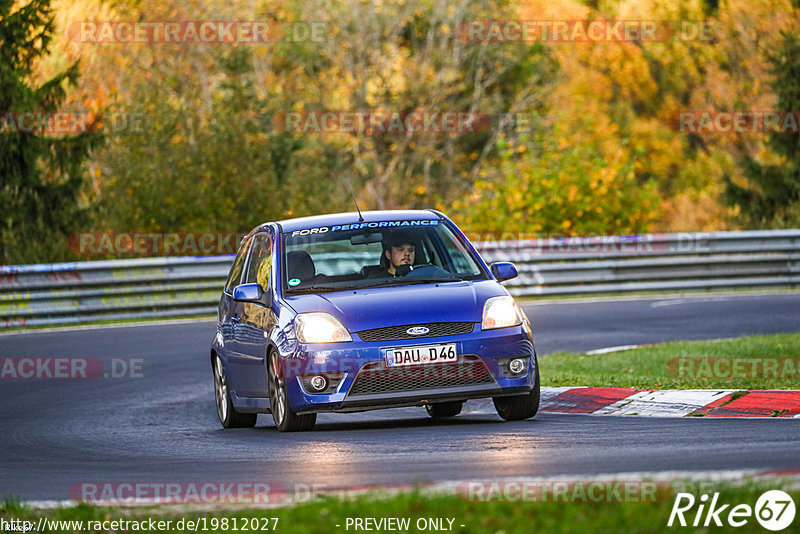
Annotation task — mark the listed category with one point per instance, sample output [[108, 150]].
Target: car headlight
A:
[[319, 327], [501, 312]]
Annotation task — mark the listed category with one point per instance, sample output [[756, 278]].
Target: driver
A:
[[398, 255]]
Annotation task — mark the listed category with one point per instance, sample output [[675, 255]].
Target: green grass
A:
[[323, 515], [657, 367]]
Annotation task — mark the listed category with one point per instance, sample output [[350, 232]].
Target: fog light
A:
[[516, 366], [319, 383]]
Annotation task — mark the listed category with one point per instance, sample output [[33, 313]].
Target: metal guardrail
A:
[[653, 262], [63, 293]]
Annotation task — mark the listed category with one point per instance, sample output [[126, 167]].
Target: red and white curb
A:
[[672, 402], [661, 403], [669, 402]]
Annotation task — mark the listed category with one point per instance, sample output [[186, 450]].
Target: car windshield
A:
[[374, 254]]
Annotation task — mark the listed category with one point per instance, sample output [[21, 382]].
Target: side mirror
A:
[[248, 292], [503, 270]]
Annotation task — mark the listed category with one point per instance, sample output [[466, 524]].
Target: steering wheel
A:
[[423, 271]]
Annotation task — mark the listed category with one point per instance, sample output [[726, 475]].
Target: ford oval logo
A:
[[417, 330]]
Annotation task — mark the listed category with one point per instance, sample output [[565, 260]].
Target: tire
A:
[[444, 409], [285, 418], [519, 407], [227, 414]]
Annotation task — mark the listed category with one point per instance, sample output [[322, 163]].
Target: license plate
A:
[[421, 355]]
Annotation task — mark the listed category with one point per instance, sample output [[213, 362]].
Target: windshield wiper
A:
[[411, 281], [313, 289]]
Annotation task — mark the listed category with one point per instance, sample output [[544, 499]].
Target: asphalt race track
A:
[[581, 326], [161, 426]]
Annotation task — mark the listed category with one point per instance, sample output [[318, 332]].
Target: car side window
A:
[[235, 273], [260, 261]]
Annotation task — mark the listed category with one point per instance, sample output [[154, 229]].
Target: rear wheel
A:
[[518, 407], [444, 409], [227, 414], [285, 418]]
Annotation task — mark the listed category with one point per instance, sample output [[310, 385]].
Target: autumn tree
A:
[[772, 195], [211, 157], [41, 174], [414, 56], [599, 150]]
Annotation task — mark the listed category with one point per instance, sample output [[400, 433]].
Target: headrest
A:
[[300, 265], [395, 239]]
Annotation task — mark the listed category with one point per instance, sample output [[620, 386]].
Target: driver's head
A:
[[399, 250]]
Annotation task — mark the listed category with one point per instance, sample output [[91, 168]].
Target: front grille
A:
[[375, 377], [391, 333]]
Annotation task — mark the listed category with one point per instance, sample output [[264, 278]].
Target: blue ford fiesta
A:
[[353, 312]]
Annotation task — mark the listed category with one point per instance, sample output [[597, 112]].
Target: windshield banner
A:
[[359, 226]]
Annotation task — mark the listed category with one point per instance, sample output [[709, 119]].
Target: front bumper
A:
[[479, 372]]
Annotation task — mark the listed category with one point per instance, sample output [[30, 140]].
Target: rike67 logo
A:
[[774, 510]]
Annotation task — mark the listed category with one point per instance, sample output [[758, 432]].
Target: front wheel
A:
[[285, 418], [227, 414], [519, 407]]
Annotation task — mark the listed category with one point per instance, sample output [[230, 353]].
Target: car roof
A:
[[300, 223]]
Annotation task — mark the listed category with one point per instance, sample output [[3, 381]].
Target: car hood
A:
[[365, 309]]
